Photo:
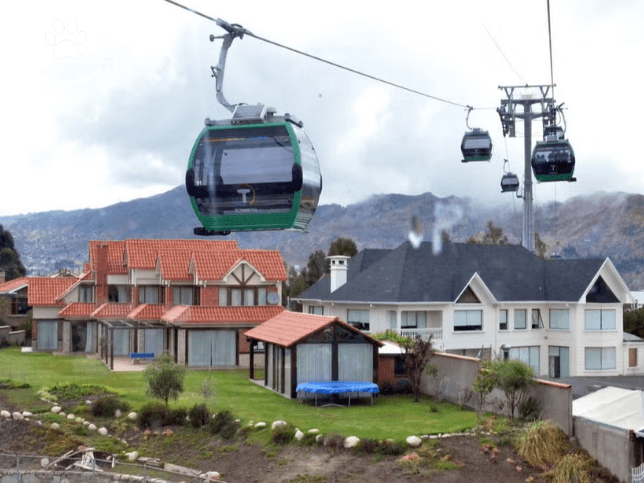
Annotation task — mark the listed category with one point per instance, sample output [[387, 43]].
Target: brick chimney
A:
[[101, 268], [339, 267]]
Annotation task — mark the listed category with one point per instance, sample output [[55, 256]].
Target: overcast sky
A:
[[102, 101]]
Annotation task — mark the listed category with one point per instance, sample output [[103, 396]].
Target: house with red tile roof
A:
[[14, 309], [190, 298]]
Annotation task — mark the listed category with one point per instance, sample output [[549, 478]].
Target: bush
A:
[[387, 388], [283, 434], [309, 439], [404, 386], [572, 467], [530, 409], [199, 416], [334, 441], [365, 446], [165, 378], [433, 407], [229, 431], [105, 407], [221, 420], [153, 414], [177, 417], [390, 448], [542, 443]]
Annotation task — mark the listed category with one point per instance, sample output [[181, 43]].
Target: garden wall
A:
[[456, 374], [42, 476]]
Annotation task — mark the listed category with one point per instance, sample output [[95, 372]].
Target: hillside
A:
[[599, 225]]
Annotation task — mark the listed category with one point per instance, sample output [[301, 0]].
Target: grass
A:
[[393, 417]]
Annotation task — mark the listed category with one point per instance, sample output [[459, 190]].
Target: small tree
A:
[[484, 382], [165, 378], [514, 378], [417, 355]]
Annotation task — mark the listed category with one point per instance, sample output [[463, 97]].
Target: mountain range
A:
[[597, 225]]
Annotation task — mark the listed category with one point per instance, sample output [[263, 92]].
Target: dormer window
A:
[[120, 294], [247, 296], [185, 295], [86, 294], [151, 294]]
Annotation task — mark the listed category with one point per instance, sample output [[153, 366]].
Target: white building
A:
[[563, 317]]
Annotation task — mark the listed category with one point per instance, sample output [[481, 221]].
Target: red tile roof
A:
[[112, 311], [220, 315], [142, 254], [77, 309], [174, 264], [289, 328], [46, 290], [115, 252], [213, 267], [85, 276], [12, 285], [147, 312]]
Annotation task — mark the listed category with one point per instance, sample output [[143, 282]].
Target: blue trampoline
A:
[[336, 387]]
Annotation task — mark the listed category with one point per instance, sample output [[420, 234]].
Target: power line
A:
[[552, 75], [504, 56], [243, 31]]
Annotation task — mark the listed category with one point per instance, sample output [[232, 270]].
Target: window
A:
[[519, 319], [316, 309], [632, 357], [503, 319], [246, 296], [468, 320], [19, 306], [393, 323], [537, 323], [120, 294], [151, 294], [185, 296], [600, 319], [600, 358], [359, 319], [86, 294], [413, 320], [529, 355], [558, 362], [399, 366], [559, 319]]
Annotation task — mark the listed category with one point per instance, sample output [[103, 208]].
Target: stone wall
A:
[[44, 476]]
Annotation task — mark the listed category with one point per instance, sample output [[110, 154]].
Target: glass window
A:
[[558, 361], [86, 294], [519, 319], [503, 319], [151, 294], [600, 358], [358, 319], [261, 296], [235, 297], [559, 319], [182, 296], [528, 355], [120, 294], [316, 309], [413, 320], [223, 296], [537, 323], [600, 319], [468, 320], [249, 296], [632, 357], [393, 323]]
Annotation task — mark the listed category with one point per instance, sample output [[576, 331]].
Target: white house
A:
[[563, 317]]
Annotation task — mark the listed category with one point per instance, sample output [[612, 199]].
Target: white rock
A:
[[79, 420], [118, 413], [17, 416], [44, 462], [318, 438], [71, 416], [133, 456], [5, 414], [414, 441], [313, 431], [85, 423], [260, 425], [39, 423], [88, 402], [132, 416], [62, 414], [238, 420], [56, 409], [102, 431], [210, 476], [92, 427], [277, 424], [27, 414], [424, 437], [351, 441], [55, 426], [299, 435]]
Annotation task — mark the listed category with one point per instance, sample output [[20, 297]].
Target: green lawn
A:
[[391, 417]]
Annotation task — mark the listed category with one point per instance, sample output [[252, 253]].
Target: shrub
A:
[[530, 409], [199, 416], [309, 439], [177, 417], [283, 434], [153, 414], [514, 378], [572, 467], [334, 441], [387, 388], [404, 386], [221, 420], [230, 430], [165, 378], [542, 443], [105, 407], [433, 407], [390, 448], [365, 446]]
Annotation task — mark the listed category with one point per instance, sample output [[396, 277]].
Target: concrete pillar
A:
[[181, 346], [171, 343], [140, 340], [67, 337]]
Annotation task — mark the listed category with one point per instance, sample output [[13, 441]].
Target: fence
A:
[[637, 474], [16, 468]]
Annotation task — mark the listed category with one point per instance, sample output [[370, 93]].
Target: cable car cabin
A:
[[260, 176], [509, 182], [476, 146], [553, 160]]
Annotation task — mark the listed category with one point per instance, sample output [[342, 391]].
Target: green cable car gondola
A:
[[256, 171], [509, 183], [553, 160], [476, 146]]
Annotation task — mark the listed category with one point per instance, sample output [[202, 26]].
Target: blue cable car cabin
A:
[[260, 176], [553, 160], [476, 146], [509, 183]]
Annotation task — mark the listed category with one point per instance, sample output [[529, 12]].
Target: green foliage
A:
[[283, 434], [334, 441], [387, 388], [199, 416], [484, 382], [68, 391], [224, 425], [514, 378], [152, 415], [393, 336], [9, 257], [530, 409], [417, 358], [9, 384], [27, 325], [404, 386], [165, 378], [177, 417], [105, 407], [390, 448], [634, 322], [343, 246], [542, 443]]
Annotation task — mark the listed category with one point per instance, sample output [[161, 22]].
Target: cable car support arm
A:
[[234, 31]]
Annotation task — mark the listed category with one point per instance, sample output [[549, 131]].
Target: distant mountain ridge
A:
[[598, 225]]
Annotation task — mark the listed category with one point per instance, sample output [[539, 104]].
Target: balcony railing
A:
[[436, 334]]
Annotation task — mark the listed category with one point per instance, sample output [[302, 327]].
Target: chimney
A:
[[339, 267], [101, 267], [3, 276]]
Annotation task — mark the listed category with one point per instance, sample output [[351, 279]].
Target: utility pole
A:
[[508, 113]]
